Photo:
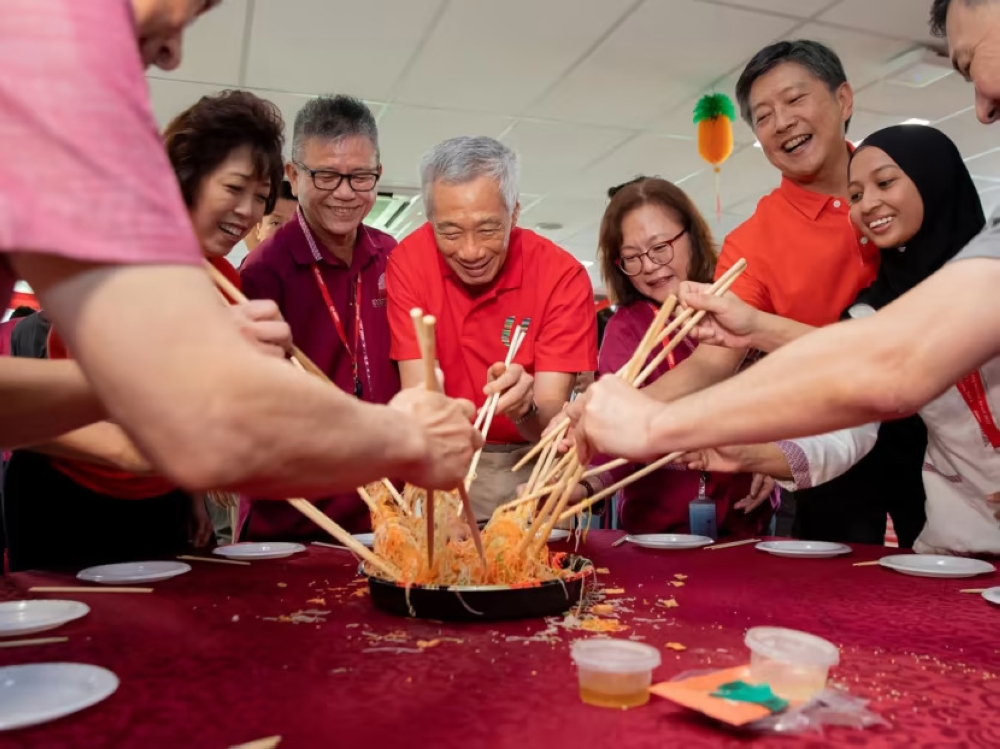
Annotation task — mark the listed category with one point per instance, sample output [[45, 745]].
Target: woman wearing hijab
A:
[[912, 195]]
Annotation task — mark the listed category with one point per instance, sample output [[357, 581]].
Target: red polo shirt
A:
[[539, 285], [805, 259], [281, 268]]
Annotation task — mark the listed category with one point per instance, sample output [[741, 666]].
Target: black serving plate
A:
[[480, 603]]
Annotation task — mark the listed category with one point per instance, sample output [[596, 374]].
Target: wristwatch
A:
[[532, 410]]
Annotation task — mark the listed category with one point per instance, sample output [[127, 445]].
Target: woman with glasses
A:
[[652, 238]]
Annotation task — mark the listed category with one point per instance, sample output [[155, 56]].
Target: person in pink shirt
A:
[[92, 218]]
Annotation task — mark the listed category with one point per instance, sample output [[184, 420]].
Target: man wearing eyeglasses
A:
[[326, 272], [482, 276]]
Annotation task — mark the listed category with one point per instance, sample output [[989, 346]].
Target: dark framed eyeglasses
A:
[[329, 180], [659, 254]]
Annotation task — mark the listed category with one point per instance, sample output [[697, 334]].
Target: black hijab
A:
[[953, 214]]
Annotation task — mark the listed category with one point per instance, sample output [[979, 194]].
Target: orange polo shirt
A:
[[805, 259], [539, 286]]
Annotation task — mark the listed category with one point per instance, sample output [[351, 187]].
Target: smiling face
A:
[[798, 121], [338, 212], [649, 229], [472, 227], [974, 43], [885, 203], [230, 200]]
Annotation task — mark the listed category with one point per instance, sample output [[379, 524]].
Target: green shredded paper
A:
[[714, 105], [757, 694]]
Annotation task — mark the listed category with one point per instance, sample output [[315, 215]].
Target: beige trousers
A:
[[495, 483]]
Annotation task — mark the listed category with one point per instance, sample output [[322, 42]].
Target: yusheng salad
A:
[[401, 539]]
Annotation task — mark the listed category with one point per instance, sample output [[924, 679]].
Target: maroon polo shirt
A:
[[281, 268]]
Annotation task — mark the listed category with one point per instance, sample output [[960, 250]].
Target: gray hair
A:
[[463, 159], [333, 118], [817, 58]]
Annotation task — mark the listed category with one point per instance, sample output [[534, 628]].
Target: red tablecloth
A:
[[200, 665]]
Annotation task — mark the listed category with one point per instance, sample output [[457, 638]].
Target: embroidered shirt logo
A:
[[508, 329]]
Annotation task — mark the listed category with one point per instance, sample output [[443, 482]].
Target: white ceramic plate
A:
[[558, 534], [804, 549], [669, 541], [992, 595], [133, 572], [930, 565], [365, 539], [40, 692], [29, 617], [263, 550]]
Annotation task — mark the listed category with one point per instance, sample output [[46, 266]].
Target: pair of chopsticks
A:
[[35, 641], [635, 373], [424, 326], [307, 508]]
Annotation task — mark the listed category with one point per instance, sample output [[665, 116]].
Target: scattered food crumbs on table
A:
[[676, 646], [602, 608], [602, 571], [668, 603], [320, 601], [602, 625], [359, 593], [282, 585], [424, 644], [679, 576], [677, 583], [614, 591]]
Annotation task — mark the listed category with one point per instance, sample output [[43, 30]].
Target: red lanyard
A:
[[974, 393], [353, 353]]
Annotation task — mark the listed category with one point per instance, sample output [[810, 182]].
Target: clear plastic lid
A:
[[792, 646], [614, 656]]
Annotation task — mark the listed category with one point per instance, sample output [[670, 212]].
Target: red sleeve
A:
[[750, 286], [567, 336], [400, 281], [76, 121]]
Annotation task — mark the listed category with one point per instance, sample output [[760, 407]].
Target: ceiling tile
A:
[[407, 133], [335, 46], [864, 55], [972, 137], [528, 45], [213, 47], [906, 19], [986, 167], [572, 213], [553, 154], [797, 8], [934, 102], [653, 59], [170, 98]]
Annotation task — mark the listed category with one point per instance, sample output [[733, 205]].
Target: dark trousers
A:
[[54, 523]]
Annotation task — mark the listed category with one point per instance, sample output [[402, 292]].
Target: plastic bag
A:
[[831, 707]]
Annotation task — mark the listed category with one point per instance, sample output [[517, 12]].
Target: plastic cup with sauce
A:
[[794, 664], [614, 673]]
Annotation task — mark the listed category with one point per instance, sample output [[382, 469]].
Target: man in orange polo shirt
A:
[[807, 263], [481, 276]]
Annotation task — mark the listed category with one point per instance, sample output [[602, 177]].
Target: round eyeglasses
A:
[[659, 254]]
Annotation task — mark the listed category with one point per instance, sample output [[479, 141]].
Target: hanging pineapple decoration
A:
[[714, 115]]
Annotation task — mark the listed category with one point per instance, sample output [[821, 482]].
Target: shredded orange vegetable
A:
[[402, 540]]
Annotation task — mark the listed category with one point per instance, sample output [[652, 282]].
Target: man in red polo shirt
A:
[[326, 271], [480, 275]]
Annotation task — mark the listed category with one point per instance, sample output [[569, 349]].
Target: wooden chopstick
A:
[[974, 590], [648, 341], [213, 560], [329, 546], [731, 544], [80, 589], [641, 473], [317, 516], [269, 742], [872, 563], [609, 466], [35, 641]]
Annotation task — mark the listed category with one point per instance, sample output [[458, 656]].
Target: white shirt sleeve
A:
[[816, 460]]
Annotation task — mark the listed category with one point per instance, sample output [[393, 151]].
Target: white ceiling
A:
[[589, 92]]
